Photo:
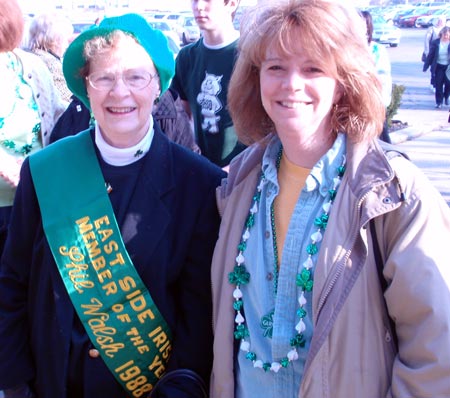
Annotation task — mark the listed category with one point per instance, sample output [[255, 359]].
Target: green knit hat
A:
[[153, 41]]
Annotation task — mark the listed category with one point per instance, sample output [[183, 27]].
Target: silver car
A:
[[385, 32]]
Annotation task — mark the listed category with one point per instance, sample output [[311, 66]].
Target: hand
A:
[[21, 391]]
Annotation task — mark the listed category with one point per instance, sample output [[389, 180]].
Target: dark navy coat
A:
[[166, 210]]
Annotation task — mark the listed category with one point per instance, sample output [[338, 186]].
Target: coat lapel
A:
[[147, 202]]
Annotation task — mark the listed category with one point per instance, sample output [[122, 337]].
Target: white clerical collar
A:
[[123, 156]]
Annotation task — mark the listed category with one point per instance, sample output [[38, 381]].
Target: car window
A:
[[190, 22], [81, 27]]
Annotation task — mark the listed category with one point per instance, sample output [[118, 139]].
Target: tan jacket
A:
[[353, 353]]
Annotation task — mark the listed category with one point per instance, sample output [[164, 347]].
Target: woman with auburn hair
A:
[[327, 233], [29, 106]]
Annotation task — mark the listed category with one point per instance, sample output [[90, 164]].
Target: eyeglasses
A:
[[133, 79]]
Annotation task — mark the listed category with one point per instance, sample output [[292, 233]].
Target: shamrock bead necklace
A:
[[240, 276], [12, 118]]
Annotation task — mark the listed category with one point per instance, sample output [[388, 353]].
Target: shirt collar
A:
[[123, 156], [322, 173]]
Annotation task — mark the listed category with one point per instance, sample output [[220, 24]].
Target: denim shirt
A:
[[259, 295]]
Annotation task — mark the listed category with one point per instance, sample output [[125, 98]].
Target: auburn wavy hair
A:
[[333, 34], [11, 25]]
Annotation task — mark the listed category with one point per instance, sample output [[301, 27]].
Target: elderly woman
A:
[[329, 276], [49, 36], [29, 106], [105, 277]]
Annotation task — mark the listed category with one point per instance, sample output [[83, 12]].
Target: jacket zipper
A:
[[341, 264]]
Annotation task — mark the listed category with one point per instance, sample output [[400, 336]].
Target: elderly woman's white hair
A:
[[50, 32]]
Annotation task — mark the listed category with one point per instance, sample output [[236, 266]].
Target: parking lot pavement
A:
[[420, 121]]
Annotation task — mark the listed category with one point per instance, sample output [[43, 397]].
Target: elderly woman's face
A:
[[297, 94], [120, 99]]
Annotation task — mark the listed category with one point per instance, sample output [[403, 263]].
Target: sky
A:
[[37, 6]]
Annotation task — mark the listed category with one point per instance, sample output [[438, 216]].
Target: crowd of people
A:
[[229, 223]]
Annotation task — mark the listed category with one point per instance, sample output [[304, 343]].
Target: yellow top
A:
[[291, 179]]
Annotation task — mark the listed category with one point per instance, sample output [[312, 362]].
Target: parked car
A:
[[402, 13], [389, 13], [385, 32], [426, 21], [189, 31], [164, 27], [409, 21], [175, 20], [79, 27]]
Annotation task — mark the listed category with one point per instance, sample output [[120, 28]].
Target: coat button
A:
[[93, 353]]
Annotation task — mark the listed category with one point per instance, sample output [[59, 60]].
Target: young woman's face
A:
[[297, 95], [122, 111]]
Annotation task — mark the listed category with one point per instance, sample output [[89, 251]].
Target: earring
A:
[[156, 101]]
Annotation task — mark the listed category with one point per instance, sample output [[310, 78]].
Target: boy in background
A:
[[203, 70]]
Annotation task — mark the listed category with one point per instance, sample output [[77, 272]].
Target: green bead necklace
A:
[[240, 276], [26, 148], [13, 67]]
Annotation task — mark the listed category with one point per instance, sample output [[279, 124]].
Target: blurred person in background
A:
[[49, 35], [438, 60], [383, 67], [29, 106], [202, 73], [431, 34], [105, 277]]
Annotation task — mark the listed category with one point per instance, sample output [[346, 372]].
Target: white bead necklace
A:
[[240, 276]]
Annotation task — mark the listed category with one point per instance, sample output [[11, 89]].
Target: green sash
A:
[[110, 298]]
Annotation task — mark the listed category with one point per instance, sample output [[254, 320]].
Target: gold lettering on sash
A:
[[77, 268], [110, 288], [166, 352], [118, 260], [88, 236], [160, 339], [161, 342], [137, 303], [148, 313], [84, 225], [103, 333], [111, 247], [138, 341], [154, 331], [99, 263], [93, 248], [103, 275], [105, 234], [100, 221], [137, 383], [127, 283], [157, 367]]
